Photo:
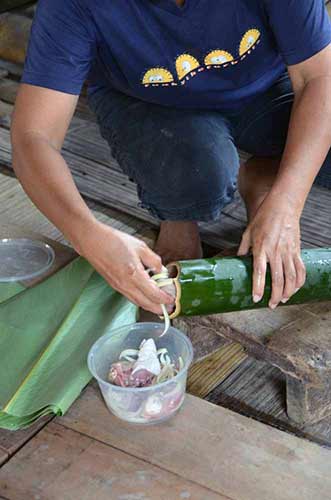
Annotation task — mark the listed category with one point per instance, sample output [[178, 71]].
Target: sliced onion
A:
[[166, 320], [128, 354], [162, 279], [163, 350]]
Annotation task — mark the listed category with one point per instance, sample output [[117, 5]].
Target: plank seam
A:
[[58, 422]]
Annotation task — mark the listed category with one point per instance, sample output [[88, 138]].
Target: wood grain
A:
[[210, 371], [62, 464], [14, 35], [258, 390], [17, 208], [11, 441], [294, 339], [3, 457], [204, 340], [7, 5], [228, 453]]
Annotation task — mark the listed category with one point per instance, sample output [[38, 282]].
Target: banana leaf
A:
[[45, 335], [8, 290], [220, 285]]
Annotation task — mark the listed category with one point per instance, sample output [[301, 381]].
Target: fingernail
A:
[[284, 301], [296, 290], [272, 306], [256, 298]]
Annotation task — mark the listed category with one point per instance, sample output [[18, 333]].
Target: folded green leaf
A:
[[45, 335]]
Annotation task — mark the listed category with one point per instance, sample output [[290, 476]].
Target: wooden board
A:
[[289, 338], [257, 389], [207, 373], [9, 88], [7, 5], [60, 463], [228, 453], [13, 69], [315, 225], [17, 208], [204, 341], [11, 441], [295, 339], [3, 457], [14, 35]]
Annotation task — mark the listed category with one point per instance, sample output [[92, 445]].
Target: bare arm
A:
[[40, 122], [274, 234], [309, 136]]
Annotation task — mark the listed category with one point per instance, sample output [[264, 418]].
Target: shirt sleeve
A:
[[61, 46], [301, 27]]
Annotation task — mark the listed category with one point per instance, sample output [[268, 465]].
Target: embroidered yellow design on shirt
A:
[[157, 76], [249, 41], [218, 58], [186, 66]]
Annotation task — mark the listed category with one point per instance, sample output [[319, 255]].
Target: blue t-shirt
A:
[[208, 54]]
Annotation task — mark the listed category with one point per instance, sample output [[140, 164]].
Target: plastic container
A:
[[144, 405], [22, 259]]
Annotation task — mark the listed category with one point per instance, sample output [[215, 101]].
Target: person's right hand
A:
[[122, 260]]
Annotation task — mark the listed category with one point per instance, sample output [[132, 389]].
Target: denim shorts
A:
[[185, 162]]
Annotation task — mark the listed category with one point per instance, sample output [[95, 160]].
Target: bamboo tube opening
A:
[[174, 272]]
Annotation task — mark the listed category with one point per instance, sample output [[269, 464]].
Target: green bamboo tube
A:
[[220, 285]]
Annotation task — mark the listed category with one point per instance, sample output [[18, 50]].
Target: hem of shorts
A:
[[207, 213]]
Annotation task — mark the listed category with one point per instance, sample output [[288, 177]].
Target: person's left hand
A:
[[274, 237]]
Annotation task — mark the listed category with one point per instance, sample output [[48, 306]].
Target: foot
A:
[[178, 241]]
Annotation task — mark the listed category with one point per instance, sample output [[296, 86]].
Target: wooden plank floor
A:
[[113, 199], [208, 452], [257, 390], [61, 463], [16, 207]]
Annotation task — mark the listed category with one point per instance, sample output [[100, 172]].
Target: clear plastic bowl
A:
[[144, 405], [22, 259]]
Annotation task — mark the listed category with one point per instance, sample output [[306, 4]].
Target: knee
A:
[[197, 175], [210, 171]]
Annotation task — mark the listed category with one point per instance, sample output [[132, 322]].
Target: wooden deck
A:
[[205, 453], [231, 446]]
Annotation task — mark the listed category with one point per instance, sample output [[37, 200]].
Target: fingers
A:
[[259, 273], [129, 289], [277, 278], [295, 275], [138, 298], [290, 275], [300, 272], [150, 259], [245, 243], [146, 286]]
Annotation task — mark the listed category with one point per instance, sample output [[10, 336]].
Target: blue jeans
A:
[[185, 162]]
